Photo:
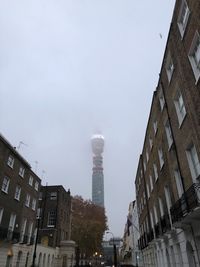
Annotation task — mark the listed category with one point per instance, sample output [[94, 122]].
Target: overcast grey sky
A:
[[68, 68]]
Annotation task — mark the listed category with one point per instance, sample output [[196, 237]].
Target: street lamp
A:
[[114, 249], [36, 239]]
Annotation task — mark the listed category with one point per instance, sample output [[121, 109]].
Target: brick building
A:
[[167, 179], [18, 204], [55, 223]]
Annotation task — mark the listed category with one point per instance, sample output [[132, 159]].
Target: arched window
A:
[[27, 256], [168, 259], [52, 260], [19, 257], [40, 260], [48, 261], [44, 260]]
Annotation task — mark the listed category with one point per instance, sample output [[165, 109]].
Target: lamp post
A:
[[36, 241], [114, 249]]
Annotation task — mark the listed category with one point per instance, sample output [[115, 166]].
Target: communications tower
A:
[[97, 141]]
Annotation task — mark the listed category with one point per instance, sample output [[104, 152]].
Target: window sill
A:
[[10, 166], [161, 167], [169, 77], [5, 192], [170, 146], [181, 122]]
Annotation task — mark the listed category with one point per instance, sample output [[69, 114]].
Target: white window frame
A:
[[168, 197], [30, 182], [155, 169], [27, 201], [161, 157], [150, 143], [168, 132], [161, 99], [151, 182], [17, 192], [169, 67], [147, 155], [161, 206], [36, 185], [21, 171], [5, 184], [179, 184], [23, 230], [193, 161], [183, 17], [33, 206], [1, 214], [180, 107], [155, 126], [11, 161], [12, 222], [30, 230], [195, 62], [53, 195], [152, 220], [49, 222], [144, 198], [144, 165], [148, 192], [155, 214]]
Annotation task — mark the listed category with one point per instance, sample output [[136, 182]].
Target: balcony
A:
[[157, 230], [165, 223], [24, 239], [6, 234], [142, 242], [189, 201]]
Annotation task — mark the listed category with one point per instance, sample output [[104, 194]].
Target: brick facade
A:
[[167, 180]]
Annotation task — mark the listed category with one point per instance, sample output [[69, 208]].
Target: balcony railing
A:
[[142, 242], [150, 236], [6, 234], [188, 201], [157, 230], [165, 223]]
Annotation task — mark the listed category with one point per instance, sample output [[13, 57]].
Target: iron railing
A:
[[157, 229], [6, 234], [188, 201], [165, 223]]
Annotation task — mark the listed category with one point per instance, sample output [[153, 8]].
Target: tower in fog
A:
[[97, 141]]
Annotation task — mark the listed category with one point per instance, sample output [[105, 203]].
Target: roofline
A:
[[13, 149]]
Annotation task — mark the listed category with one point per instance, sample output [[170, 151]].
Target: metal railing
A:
[[188, 201], [165, 223], [157, 229], [6, 234]]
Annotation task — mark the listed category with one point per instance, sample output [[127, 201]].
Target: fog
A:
[[70, 68]]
